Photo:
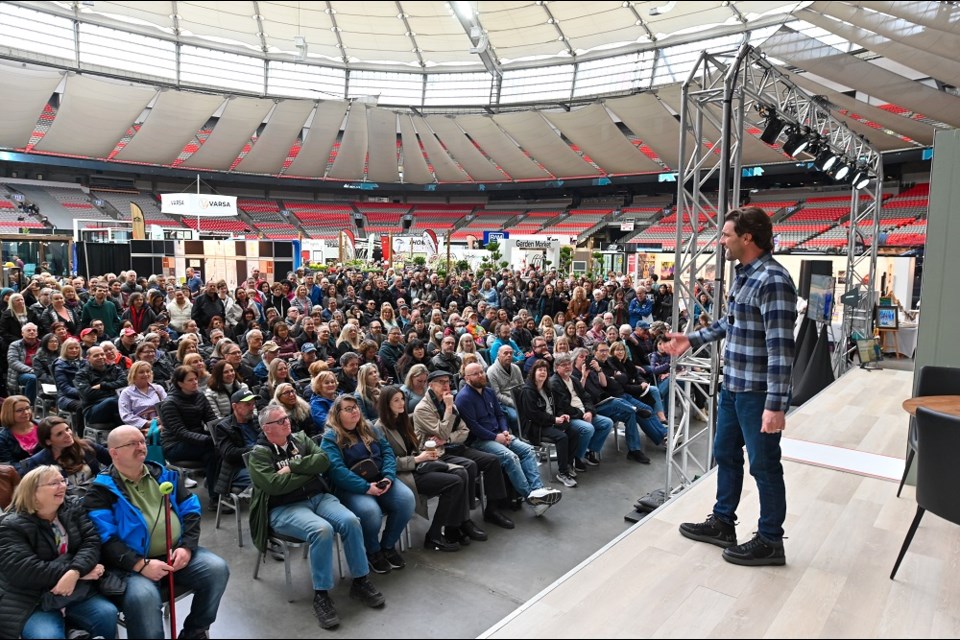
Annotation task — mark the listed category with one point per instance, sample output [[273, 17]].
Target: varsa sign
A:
[[193, 204]]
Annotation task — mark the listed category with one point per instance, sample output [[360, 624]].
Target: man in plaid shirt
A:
[[758, 359]]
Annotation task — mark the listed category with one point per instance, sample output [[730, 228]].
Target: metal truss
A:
[[728, 97]]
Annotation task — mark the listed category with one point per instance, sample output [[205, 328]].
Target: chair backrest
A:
[[938, 473], [938, 381], [9, 479]]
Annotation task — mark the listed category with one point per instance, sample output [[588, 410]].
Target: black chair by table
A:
[[932, 381]]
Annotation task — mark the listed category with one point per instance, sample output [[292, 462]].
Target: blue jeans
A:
[[650, 426], [587, 433], [655, 397], [621, 411], [29, 383], [317, 520], [107, 411], [513, 419], [739, 418], [95, 615], [207, 574], [397, 504], [518, 461]]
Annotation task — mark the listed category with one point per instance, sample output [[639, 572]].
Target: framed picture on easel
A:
[[887, 317]]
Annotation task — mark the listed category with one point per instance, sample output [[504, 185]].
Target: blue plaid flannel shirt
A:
[[758, 354]]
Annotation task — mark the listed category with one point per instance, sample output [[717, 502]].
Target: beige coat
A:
[[428, 423], [405, 466]]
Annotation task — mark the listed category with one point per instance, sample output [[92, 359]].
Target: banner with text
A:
[[193, 204]]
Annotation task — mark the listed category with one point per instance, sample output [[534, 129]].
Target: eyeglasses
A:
[[23, 410], [59, 482], [284, 419], [132, 443], [288, 392], [349, 408]]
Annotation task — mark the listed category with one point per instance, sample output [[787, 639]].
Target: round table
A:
[[943, 404]]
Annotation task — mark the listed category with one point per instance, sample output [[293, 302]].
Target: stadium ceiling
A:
[[457, 92]]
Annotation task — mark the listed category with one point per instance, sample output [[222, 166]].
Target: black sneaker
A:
[[756, 553], [393, 558], [592, 458], [711, 531], [579, 465], [364, 591], [638, 456], [323, 609], [378, 564]]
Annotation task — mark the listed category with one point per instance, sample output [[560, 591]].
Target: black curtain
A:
[[98, 258], [818, 374]]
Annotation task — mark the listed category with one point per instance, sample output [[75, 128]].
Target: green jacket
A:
[[267, 482], [106, 312]]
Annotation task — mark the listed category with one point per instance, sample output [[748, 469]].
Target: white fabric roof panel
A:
[[496, 144], [100, 109], [535, 136], [311, 161], [936, 66], [460, 147], [172, 123], [444, 167], [592, 129], [32, 88], [382, 163], [273, 145], [232, 132], [352, 153], [826, 61], [224, 21], [415, 169], [588, 25], [914, 129], [651, 122], [938, 15]]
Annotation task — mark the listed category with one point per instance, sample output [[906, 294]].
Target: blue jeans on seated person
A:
[[107, 411], [592, 434], [316, 520], [95, 615], [519, 462], [29, 383], [621, 411], [206, 574], [397, 504], [513, 419], [739, 417], [650, 426], [654, 397]]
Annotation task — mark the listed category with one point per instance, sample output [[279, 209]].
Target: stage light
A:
[[842, 171], [772, 131], [861, 179], [796, 142], [826, 159]]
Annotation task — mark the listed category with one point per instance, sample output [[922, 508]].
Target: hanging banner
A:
[[192, 204], [431, 238]]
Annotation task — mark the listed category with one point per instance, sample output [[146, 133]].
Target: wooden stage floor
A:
[[844, 529]]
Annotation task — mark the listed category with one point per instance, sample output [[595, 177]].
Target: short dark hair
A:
[[754, 221]]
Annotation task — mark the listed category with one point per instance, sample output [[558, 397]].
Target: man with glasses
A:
[[392, 349], [98, 381], [540, 352], [234, 355], [293, 497], [126, 506], [478, 405]]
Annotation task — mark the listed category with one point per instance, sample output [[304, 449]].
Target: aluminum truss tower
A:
[[727, 97]]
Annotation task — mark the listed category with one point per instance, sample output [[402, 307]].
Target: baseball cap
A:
[[243, 395], [129, 332], [270, 345], [308, 347], [86, 331], [642, 325]]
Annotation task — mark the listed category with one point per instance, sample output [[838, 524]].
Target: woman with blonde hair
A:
[[195, 361], [349, 340], [466, 345], [277, 372], [139, 399], [414, 386], [50, 563], [324, 387], [18, 437], [298, 410], [363, 467], [368, 390], [387, 318]]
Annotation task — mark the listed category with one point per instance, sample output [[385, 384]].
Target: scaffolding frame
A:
[[727, 97]]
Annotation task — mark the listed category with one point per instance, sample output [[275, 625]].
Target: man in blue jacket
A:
[[126, 505], [480, 409]]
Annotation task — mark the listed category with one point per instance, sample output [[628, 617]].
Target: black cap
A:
[[438, 374], [242, 396]]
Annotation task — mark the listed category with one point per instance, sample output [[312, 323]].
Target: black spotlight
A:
[[842, 170], [826, 159], [772, 131], [861, 178], [797, 141]]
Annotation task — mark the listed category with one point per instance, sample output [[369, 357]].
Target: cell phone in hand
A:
[[383, 484]]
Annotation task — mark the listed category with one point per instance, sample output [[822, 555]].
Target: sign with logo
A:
[[627, 226], [495, 236], [534, 245], [192, 204]]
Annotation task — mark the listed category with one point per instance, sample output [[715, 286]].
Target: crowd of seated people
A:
[[355, 395]]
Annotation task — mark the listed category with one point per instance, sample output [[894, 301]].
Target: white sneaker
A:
[[246, 494], [571, 471], [189, 483], [540, 509], [544, 496], [566, 480]]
